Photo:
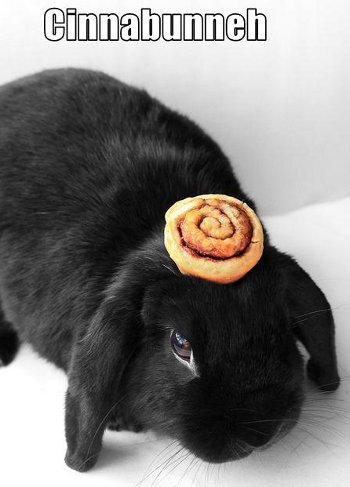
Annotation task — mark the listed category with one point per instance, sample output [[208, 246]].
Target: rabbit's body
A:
[[88, 168]]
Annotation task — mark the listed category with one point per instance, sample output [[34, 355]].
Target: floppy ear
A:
[[312, 322], [99, 359], [102, 354]]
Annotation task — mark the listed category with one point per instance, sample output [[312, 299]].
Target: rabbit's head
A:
[[214, 366], [218, 368]]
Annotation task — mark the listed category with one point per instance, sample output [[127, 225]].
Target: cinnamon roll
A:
[[214, 237]]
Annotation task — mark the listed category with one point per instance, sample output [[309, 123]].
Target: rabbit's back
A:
[[72, 140]]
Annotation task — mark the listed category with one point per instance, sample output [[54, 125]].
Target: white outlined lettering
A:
[[257, 25], [214, 27], [71, 24], [151, 26], [87, 27], [52, 30], [235, 27], [109, 27], [172, 27], [193, 27], [130, 27]]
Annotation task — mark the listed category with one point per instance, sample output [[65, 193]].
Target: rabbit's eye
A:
[[181, 346]]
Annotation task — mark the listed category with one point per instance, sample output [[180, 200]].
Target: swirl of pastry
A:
[[213, 236]]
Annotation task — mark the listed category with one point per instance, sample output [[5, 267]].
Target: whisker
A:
[[320, 424], [199, 467], [319, 311], [174, 444], [179, 462], [171, 446], [255, 431], [187, 470], [300, 442], [171, 461], [314, 436]]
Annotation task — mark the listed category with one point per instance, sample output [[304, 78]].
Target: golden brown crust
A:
[[215, 237]]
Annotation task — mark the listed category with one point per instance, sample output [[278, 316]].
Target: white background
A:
[[280, 110]]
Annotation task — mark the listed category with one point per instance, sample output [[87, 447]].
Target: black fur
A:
[[88, 168]]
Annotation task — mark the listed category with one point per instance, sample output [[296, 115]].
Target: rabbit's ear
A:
[[98, 362], [312, 323]]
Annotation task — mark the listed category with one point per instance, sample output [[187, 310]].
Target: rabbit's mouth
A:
[[238, 449], [219, 438], [283, 428]]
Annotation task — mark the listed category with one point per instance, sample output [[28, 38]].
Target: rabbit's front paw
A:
[[120, 423]]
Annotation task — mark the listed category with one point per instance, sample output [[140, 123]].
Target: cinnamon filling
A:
[[216, 230]]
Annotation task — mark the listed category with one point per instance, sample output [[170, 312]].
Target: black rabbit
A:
[[88, 168]]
